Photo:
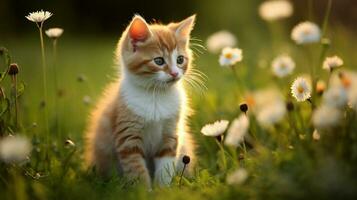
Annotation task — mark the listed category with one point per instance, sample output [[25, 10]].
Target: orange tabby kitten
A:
[[140, 121]]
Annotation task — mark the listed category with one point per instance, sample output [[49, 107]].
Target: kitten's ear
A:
[[183, 29], [139, 29]]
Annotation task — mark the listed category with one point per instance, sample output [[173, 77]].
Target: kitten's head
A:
[[156, 55]]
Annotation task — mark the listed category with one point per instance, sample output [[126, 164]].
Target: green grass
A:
[[325, 169]]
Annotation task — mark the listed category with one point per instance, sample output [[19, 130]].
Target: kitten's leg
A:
[[130, 153], [165, 160]]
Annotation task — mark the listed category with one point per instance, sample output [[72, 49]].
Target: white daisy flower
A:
[[348, 81], [335, 97], [274, 10], [237, 131], [54, 33], [316, 135], [325, 117], [239, 176], [217, 41], [215, 129], [39, 16], [306, 32], [331, 63], [230, 56], [15, 149], [271, 114], [301, 89], [282, 66]]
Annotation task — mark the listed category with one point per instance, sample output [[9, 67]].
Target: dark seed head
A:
[[243, 107], [14, 69], [290, 106], [186, 159], [2, 50]]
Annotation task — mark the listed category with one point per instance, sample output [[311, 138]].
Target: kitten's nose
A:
[[174, 74]]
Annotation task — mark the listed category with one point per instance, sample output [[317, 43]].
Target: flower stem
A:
[[310, 9], [14, 82], [44, 76], [55, 84], [45, 109], [326, 18], [237, 80], [224, 160], [181, 175]]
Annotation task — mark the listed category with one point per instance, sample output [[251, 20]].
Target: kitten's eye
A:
[[180, 60], [159, 61]]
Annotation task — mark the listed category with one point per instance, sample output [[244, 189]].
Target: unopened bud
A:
[[14, 69], [69, 143], [186, 159], [243, 107]]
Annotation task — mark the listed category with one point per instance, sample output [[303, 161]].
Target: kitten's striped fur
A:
[[140, 121]]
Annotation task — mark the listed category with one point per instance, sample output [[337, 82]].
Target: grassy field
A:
[[283, 162]]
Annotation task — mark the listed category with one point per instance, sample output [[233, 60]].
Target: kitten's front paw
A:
[[165, 171]]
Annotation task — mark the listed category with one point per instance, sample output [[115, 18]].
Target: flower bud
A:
[[69, 143], [186, 159], [243, 107], [14, 69]]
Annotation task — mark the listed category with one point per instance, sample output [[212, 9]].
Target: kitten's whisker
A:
[[198, 74], [195, 39], [196, 50], [198, 45], [197, 77], [198, 86]]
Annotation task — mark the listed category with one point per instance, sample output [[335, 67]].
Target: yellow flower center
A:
[[300, 89], [228, 55]]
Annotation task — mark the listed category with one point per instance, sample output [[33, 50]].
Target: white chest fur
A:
[[152, 134], [152, 106]]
